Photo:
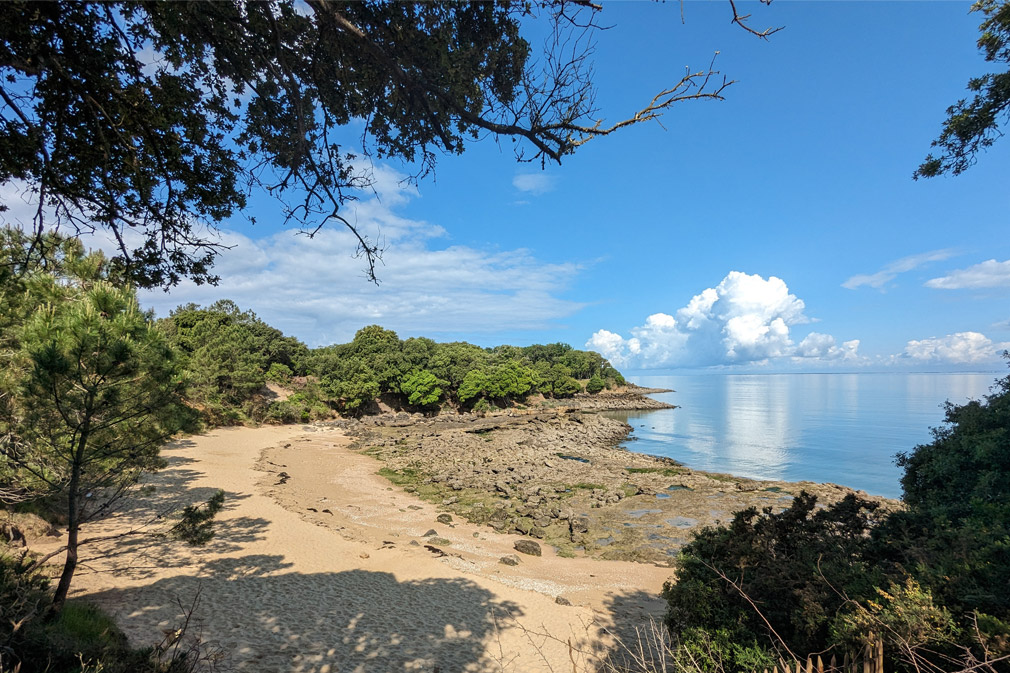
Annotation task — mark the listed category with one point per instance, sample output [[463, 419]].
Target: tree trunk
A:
[[73, 525], [63, 588]]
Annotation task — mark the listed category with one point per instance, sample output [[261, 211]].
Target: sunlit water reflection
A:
[[842, 428]]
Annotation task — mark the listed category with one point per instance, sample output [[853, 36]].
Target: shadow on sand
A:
[[267, 619]]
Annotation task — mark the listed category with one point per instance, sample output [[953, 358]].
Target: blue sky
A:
[[740, 226]]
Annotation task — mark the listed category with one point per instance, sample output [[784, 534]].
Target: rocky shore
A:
[[559, 476]]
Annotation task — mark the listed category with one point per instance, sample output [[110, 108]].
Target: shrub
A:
[[595, 385]]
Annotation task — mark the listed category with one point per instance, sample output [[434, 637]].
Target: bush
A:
[[595, 385], [279, 373], [780, 562]]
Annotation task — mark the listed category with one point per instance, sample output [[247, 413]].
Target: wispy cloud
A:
[[315, 289], [535, 183], [985, 274], [744, 319], [891, 271]]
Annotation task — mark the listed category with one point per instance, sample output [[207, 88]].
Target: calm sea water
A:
[[841, 428]]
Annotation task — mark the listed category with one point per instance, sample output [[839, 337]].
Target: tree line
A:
[[230, 355]]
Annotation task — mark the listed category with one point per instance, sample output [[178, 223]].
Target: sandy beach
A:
[[319, 565]]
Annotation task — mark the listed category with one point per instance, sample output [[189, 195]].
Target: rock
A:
[[509, 560], [543, 523], [527, 547], [431, 531], [415, 543], [538, 532], [13, 535], [414, 507], [444, 518], [578, 525], [561, 600], [747, 486]]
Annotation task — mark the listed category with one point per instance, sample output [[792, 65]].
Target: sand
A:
[[342, 588]]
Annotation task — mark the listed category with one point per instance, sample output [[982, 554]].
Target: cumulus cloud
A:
[[315, 288], [891, 271], [985, 274], [959, 348], [744, 319], [534, 183]]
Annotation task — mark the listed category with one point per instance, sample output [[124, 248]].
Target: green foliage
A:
[[932, 578], [229, 355], [610, 374], [973, 125], [780, 562], [92, 394], [955, 531], [510, 380], [352, 385], [423, 372], [169, 139], [195, 526], [474, 385], [698, 649], [278, 373], [82, 629], [595, 385], [906, 612], [422, 388], [483, 406], [665, 471]]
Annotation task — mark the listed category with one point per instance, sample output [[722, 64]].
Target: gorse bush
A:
[[932, 578]]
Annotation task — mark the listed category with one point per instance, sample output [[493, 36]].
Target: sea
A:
[[834, 427]]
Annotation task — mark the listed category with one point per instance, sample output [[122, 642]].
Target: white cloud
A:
[[315, 288], [744, 319], [986, 274], [822, 347], [890, 271], [959, 348], [534, 183]]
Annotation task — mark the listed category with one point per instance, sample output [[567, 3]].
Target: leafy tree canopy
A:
[[153, 119], [973, 124]]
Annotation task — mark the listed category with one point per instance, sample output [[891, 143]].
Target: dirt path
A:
[[284, 588]]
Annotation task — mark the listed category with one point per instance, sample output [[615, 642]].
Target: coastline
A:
[[364, 541], [559, 476]]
